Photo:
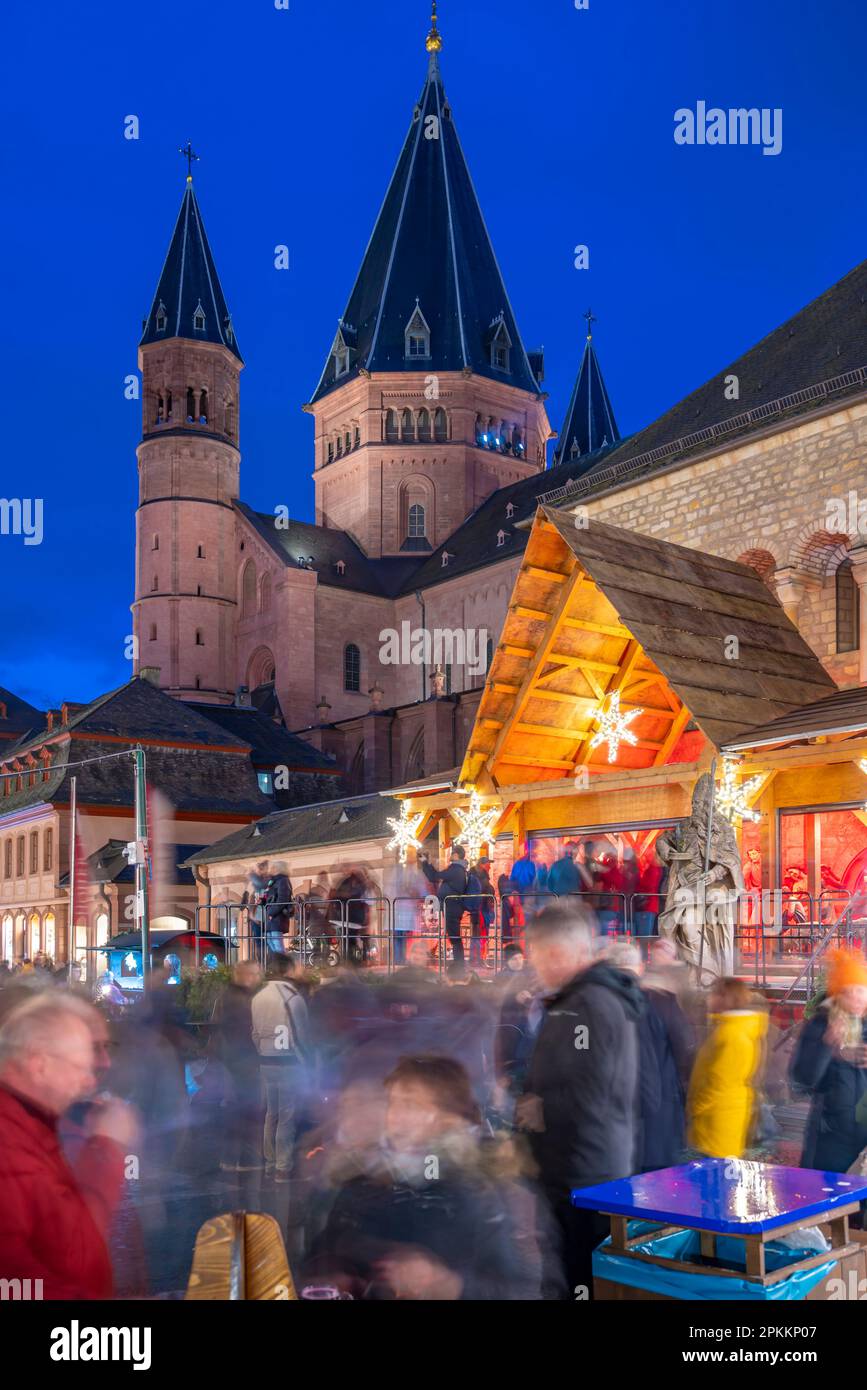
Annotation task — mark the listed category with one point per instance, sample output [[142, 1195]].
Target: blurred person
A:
[[422, 1218], [54, 1219], [521, 1012], [281, 1033], [665, 979], [511, 909], [722, 1103], [450, 885], [242, 1107], [486, 911], [279, 909], [661, 1090], [565, 875], [830, 1064], [523, 873], [581, 1098]]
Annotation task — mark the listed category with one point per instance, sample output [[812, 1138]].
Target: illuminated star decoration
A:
[[732, 797], [475, 825], [614, 727], [405, 832]]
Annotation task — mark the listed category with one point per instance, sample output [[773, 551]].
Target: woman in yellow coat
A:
[[722, 1091]]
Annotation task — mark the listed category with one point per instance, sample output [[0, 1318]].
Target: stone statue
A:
[[697, 901]]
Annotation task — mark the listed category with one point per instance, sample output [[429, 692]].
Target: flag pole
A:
[[70, 930]]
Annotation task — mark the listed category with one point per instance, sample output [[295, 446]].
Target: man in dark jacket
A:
[[451, 885], [581, 1099], [835, 1076]]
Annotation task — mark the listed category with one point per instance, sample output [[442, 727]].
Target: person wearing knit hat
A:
[[830, 1063]]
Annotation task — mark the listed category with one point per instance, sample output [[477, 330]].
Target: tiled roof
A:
[[842, 712], [189, 283], [20, 718], [304, 545], [429, 250], [305, 827]]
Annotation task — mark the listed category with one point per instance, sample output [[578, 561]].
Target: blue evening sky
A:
[[566, 118]]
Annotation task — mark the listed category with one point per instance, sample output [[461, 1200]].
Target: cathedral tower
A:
[[428, 401], [188, 463], [590, 424]]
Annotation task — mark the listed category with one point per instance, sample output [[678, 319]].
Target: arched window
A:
[[340, 446], [415, 761], [391, 427], [156, 542], [50, 943], [415, 521], [35, 934], [19, 857], [168, 405], [156, 584], [407, 427], [441, 425], [347, 441], [230, 419], [7, 855], [248, 590], [191, 405], [357, 440], [331, 451], [481, 432], [203, 407], [7, 947], [848, 609], [48, 851], [161, 406], [424, 426], [265, 594], [351, 667], [517, 441], [200, 637]]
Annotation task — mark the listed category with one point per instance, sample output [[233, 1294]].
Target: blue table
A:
[[722, 1196]]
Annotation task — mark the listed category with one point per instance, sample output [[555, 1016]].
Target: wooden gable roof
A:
[[597, 609]]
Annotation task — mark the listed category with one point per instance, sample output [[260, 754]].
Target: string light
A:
[[614, 727], [732, 797], [475, 825], [405, 831]]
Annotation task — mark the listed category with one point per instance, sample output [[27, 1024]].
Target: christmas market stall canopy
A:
[[624, 665]]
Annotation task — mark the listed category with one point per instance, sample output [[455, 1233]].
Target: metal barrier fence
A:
[[779, 937]]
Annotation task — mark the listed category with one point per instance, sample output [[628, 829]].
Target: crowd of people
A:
[[426, 1126]]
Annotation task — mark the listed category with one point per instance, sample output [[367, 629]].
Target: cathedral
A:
[[430, 443]]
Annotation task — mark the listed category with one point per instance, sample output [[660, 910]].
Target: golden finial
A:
[[434, 40]]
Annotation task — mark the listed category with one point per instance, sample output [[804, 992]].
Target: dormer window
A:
[[341, 350], [417, 335], [501, 345], [199, 318], [501, 538], [162, 320]]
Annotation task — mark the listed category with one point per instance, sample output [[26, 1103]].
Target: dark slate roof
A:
[[589, 425], [683, 606], [271, 744], [21, 718], [189, 279], [304, 827], [824, 342], [108, 865], [140, 710], [843, 712], [193, 778], [301, 540], [430, 246]]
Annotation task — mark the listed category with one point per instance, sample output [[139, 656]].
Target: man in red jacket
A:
[[53, 1220]]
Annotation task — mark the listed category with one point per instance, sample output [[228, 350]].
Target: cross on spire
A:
[[434, 41], [189, 156], [591, 319]]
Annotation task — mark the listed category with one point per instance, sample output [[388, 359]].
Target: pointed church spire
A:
[[589, 423], [430, 247], [189, 300]]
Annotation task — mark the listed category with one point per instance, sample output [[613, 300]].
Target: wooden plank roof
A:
[[596, 609]]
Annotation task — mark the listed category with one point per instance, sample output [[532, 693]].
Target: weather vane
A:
[[189, 156], [591, 319]]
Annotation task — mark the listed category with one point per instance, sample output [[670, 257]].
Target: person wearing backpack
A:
[[451, 887], [281, 1032]]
